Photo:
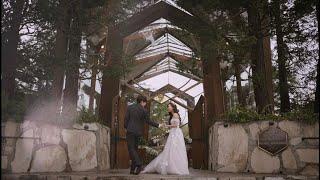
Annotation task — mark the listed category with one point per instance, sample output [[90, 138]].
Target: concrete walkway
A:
[[123, 174]]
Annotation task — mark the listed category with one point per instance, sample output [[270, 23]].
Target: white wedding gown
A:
[[173, 159]]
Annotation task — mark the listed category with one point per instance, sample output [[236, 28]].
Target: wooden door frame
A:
[[199, 159]]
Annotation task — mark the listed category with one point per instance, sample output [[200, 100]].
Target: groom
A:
[[135, 118]]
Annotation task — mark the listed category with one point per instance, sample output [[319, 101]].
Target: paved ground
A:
[[124, 174]]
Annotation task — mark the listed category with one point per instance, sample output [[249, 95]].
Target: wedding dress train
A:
[[173, 159]]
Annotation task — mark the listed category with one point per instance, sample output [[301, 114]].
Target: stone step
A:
[[124, 175]]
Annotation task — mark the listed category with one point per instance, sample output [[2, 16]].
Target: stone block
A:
[[11, 129], [295, 141], [308, 155], [104, 149], [232, 148], [22, 156], [264, 125], [49, 159], [81, 149], [8, 150], [4, 162], [254, 130], [291, 127], [308, 131], [50, 134], [28, 125], [310, 170], [28, 133], [288, 159], [10, 142], [202, 178], [262, 162], [90, 126], [242, 178], [274, 178]]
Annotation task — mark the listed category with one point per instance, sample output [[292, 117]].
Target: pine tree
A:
[[63, 21], [15, 11], [282, 57]]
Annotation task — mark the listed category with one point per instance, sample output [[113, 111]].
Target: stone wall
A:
[[48, 148], [234, 148]]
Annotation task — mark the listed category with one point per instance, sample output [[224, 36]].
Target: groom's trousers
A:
[[132, 142]]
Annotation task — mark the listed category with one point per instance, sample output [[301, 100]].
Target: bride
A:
[[173, 159]]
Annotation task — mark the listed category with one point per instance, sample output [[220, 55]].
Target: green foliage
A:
[[303, 115], [243, 115], [85, 116], [119, 70], [142, 142], [158, 114]]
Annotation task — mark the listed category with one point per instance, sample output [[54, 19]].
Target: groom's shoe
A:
[[137, 170]]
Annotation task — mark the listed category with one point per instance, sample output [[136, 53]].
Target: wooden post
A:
[[146, 126]]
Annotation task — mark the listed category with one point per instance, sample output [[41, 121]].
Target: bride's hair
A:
[[175, 110]]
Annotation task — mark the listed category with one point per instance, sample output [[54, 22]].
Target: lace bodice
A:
[[175, 121]]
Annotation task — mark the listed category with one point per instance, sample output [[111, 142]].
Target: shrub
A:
[[86, 116], [242, 115]]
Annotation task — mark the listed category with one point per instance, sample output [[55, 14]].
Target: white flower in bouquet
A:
[[151, 151]]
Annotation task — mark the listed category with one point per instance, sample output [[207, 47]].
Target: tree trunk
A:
[[241, 100], [10, 61], [282, 71], [70, 97], [212, 83], [60, 55], [110, 84], [93, 82], [316, 103], [261, 58]]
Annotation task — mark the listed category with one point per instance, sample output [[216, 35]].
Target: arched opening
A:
[[163, 65]]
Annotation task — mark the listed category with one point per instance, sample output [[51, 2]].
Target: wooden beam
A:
[[185, 90], [149, 97], [151, 75], [191, 76], [155, 12], [136, 90], [179, 103], [175, 91]]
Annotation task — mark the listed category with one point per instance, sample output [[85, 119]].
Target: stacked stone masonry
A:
[[48, 148], [234, 148]]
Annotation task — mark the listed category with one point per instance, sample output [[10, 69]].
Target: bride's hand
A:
[[162, 125]]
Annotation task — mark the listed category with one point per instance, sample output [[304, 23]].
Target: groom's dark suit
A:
[[135, 118]]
